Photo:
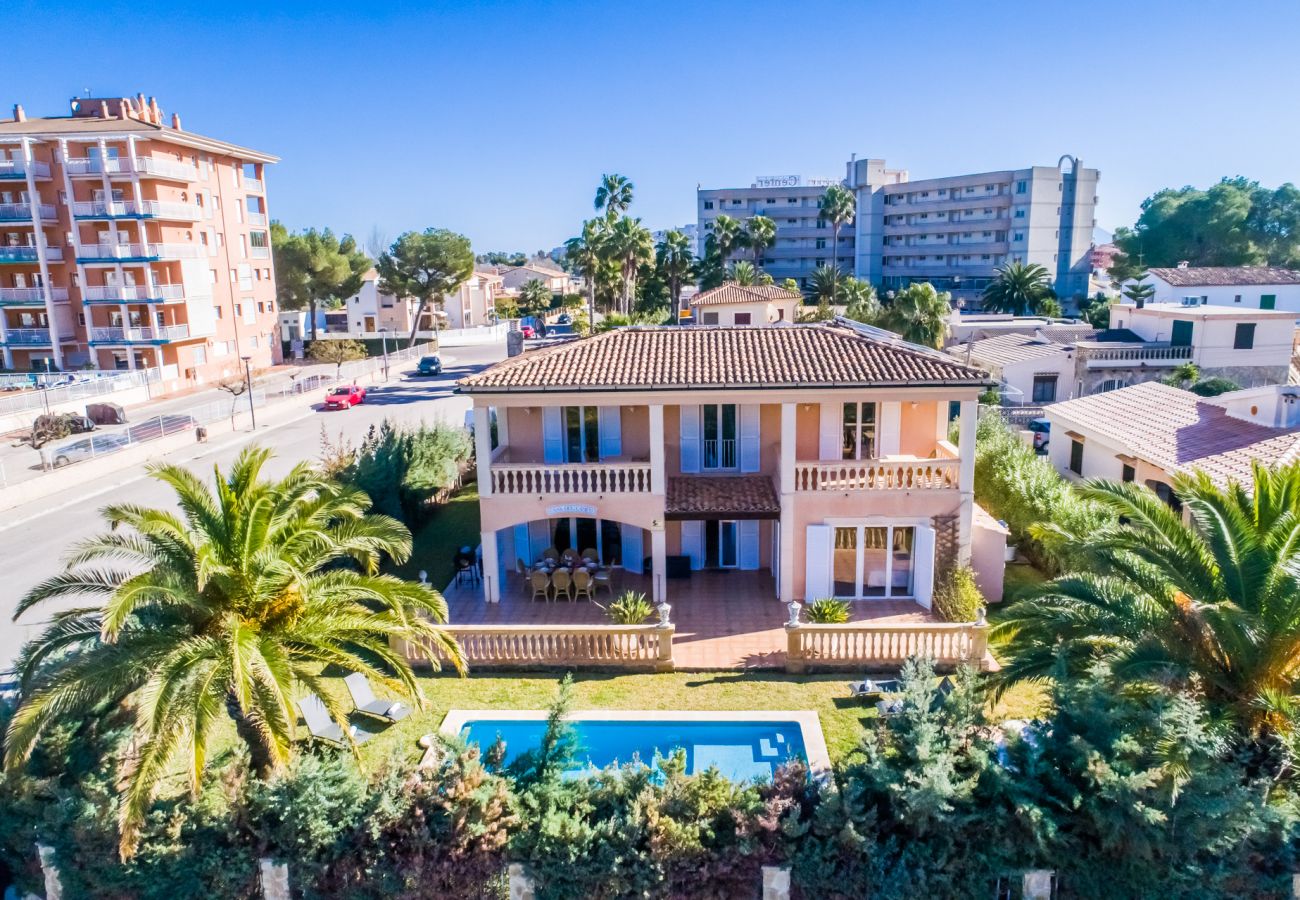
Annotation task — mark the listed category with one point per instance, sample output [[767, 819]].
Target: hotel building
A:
[[127, 242]]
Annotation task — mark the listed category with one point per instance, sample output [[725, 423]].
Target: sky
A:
[[497, 119]]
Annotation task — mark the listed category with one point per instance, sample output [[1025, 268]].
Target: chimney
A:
[[140, 105], [19, 115], [155, 114], [103, 109], [176, 121], [124, 110]]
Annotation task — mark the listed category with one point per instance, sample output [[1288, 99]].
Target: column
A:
[[658, 482], [966, 479], [659, 561], [491, 568], [483, 449], [34, 197], [785, 543]]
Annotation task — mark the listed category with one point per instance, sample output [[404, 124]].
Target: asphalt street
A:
[[36, 538]]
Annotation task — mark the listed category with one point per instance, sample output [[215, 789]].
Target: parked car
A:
[[429, 365], [83, 449], [160, 426], [1042, 433], [345, 396], [528, 331], [564, 319]]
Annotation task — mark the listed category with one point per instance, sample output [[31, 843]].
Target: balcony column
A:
[[658, 481], [33, 196], [483, 451], [135, 178], [659, 562], [966, 478], [491, 567], [785, 544]]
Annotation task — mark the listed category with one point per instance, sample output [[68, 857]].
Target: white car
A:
[[83, 449]]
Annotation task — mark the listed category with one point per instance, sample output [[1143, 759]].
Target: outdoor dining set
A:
[[568, 574]]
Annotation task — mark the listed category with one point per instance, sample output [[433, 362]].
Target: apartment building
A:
[[1260, 287], [129, 242], [814, 454], [953, 232], [804, 241]]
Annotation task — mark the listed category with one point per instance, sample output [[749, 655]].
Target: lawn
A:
[[454, 524], [1019, 577]]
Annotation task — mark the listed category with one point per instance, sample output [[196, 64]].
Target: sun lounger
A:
[[364, 699], [323, 727]]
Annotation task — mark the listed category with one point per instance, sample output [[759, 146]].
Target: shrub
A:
[[407, 470], [828, 611], [957, 597], [631, 608], [1213, 387]]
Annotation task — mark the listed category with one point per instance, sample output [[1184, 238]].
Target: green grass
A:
[[1019, 577], [454, 524]]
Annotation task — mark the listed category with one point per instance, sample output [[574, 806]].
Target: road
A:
[[36, 538]]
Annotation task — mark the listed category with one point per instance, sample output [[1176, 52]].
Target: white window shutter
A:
[[749, 554], [611, 431], [539, 537], [553, 434], [891, 418], [831, 431], [750, 447], [923, 565], [522, 551], [633, 548], [693, 543], [690, 438], [817, 560]]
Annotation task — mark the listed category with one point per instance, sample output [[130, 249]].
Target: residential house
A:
[[814, 454], [1148, 433], [1030, 369], [557, 280], [736, 304], [1260, 287]]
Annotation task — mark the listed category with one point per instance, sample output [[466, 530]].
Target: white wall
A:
[[1288, 295], [1100, 460]]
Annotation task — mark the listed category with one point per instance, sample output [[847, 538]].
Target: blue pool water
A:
[[739, 750]]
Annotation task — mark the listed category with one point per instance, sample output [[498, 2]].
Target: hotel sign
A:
[[779, 181], [571, 509]]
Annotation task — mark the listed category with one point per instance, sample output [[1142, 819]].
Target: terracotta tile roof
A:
[[1009, 348], [713, 496], [1178, 431], [709, 357], [737, 293], [1210, 276]]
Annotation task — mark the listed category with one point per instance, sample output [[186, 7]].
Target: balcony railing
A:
[[259, 252], [117, 252], [719, 453], [570, 478], [143, 165], [253, 185], [22, 212], [878, 475], [33, 296], [119, 293], [1160, 355], [35, 337], [29, 254], [256, 218], [18, 168], [129, 209], [159, 335]]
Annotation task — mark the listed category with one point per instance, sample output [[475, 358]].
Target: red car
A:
[[345, 396], [528, 331]]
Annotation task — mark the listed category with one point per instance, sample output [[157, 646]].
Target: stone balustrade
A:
[[857, 644], [643, 647], [878, 475], [570, 478]]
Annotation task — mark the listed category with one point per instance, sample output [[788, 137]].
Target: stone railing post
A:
[[521, 884], [665, 629], [275, 879], [53, 885], [776, 883], [794, 658], [979, 640], [1037, 884]]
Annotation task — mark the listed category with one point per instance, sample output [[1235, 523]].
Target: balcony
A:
[[160, 335], [22, 212], [29, 255], [147, 166], [1102, 357], [878, 475], [33, 296], [253, 185], [541, 479], [127, 293], [148, 209], [259, 252], [115, 253], [17, 169], [28, 337], [257, 218]]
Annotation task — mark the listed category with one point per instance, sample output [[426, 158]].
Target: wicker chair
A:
[[591, 553], [551, 553], [561, 582], [541, 583], [602, 579], [582, 585]]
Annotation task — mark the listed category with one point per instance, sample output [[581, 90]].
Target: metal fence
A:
[[39, 390]]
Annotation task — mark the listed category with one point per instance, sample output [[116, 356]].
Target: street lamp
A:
[[383, 336], [248, 386]]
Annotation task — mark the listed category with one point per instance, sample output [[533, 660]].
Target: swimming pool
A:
[[745, 745]]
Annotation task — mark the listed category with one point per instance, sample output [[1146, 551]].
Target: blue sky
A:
[[497, 118]]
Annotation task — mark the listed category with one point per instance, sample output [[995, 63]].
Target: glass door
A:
[[719, 433], [873, 562], [728, 544]]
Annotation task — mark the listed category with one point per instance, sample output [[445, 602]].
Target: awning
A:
[[711, 497]]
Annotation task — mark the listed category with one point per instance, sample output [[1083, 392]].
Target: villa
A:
[[738, 304], [778, 463]]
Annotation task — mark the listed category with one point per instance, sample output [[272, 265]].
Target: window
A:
[[1020, 214], [1128, 473], [709, 318], [708, 204], [821, 243], [239, 310], [1244, 339], [792, 201], [243, 247], [581, 434], [1166, 494], [216, 312], [859, 431], [1076, 456], [200, 355], [252, 341], [718, 428], [1045, 388], [1236, 298], [258, 239], [873, 561], [1268, 301], [735, 202], [742, 318]]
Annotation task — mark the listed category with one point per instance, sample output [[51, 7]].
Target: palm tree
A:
[[1139, 293], [1018, 289], [726, 236], [919, 313], [585, 255], [744, 273], [232, 606], [838, 206], [613, 196], [676, 264], [632, 245], [860, 301], [824, 284], [1215, 597], [760, 233], [535, 298]]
